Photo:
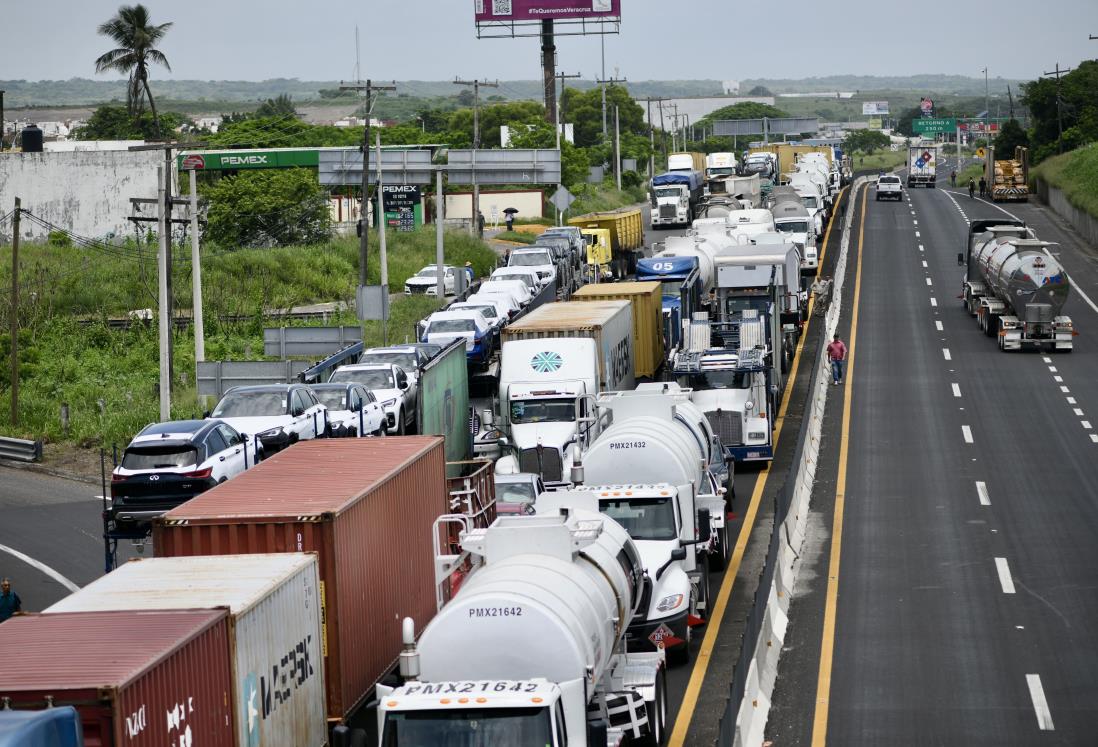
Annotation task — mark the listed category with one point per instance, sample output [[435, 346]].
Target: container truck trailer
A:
[[691, 161], [646, 301], [922, 166]]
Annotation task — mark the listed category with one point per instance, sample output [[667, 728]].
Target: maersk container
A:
[[647, 300], [367, 507], [609, 323], [137, 678], [274, 625]]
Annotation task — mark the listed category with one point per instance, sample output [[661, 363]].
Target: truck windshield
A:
[[794, 226], [481, 727], [722, 171], [716, 380], [643, 518], [667, 192], [543, 411], [810, 202]]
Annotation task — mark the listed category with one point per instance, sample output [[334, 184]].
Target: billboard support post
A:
[[549, 71]]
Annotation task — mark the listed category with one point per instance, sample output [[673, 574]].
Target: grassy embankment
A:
[[108, 377], [880, 161], [1075, 174]]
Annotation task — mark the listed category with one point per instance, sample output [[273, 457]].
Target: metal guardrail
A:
[[215, 377], [308, 342], [20, 449]]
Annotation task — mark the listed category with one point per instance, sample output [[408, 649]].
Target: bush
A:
[[268, 208]]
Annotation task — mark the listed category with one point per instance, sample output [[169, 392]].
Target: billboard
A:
[[874, 108], [493, 11], [926, 107]]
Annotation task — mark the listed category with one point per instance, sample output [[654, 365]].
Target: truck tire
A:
[[718, 560], [704, 589], [991, 324], [680, 656], [657, 714]]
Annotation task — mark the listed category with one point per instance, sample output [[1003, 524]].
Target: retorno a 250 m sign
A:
[[543, 10]]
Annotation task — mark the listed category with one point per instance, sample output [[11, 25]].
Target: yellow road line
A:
[[701, 664], [827, 643]]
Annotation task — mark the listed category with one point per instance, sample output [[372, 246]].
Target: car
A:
[[426, 281], [516, 493], [167, 464], [502, 301], [537, 259], [445, 326], [390, 385], [527, 275], [493, 309], [277, 414], [517, 289], [411, 357], [352, 410], [891, 187]]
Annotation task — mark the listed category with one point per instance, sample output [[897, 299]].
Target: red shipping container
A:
[[367, 507], [137, 678]]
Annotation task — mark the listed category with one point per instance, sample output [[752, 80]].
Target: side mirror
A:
[[960, 258], [705, 525], [504, 442], [679, 553], [404, 385]]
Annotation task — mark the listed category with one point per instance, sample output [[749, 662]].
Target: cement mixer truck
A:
[[1015, 288], [531, 649]]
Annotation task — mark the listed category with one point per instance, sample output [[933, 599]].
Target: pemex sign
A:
[[231, 160]]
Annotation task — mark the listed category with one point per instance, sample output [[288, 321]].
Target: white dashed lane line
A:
[[1004, 575], [938, 326], [966, 431], [946, 354], [933, 301], [1040, 704], [981, 491], [956, 390]]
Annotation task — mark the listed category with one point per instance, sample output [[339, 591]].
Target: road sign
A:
[[504, 166], [980, 153], [562, 199], [930, 126]]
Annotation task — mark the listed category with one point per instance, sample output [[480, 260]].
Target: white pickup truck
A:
[[890, 187]]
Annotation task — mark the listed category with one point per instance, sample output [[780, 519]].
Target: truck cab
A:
[[674, 196], [599, 254]]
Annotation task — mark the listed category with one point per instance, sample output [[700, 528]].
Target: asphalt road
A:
[[967, 584]]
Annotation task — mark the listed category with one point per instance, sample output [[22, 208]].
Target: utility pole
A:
[[440, 254], [617, 147], [1058, 73], [2, 123], [549, 70], [602, 82], [381, 240], [363, 216], [164, 313], [15, 312], [196, 275], [560, 107], [663, 131], [651, 142], [476, 84], [987, 110]]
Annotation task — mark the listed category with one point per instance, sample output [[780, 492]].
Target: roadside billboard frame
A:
[[524, 18]]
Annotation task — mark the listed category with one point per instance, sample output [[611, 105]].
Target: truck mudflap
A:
[[756, 453]]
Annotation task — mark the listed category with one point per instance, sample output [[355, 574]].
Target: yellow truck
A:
[[622, 230], [1008, 179], [647, 300], [787, 154], [691, 161]]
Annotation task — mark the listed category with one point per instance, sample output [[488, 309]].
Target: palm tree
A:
[[136, 39]]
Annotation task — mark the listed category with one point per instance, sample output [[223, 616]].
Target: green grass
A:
[[596, 198], [1076, 174], [882, 161], [519, 237]]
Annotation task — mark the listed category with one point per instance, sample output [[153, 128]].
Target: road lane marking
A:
[[1004, 575], [1065, 390], [1040, 704], [1078, 412], [1052, 369], [922, 248], [831, 600], [938, 325], [1094, 437], [685, 715], [956, 390], [925, 264], [1086, 424], [1047, 360], [42, 567], [916, 223], [1071, 401], [981, 490], [933, 301], [918, 235], [966, 431], [947, 354], [1058, 379], [929, 281]]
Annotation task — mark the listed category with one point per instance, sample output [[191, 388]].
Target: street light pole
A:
[[987, 109]]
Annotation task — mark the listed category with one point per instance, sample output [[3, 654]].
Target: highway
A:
[[949, 587]]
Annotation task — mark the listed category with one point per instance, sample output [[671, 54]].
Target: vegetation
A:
[[1011, 135], [275, 207], [865, 141], [1078, 92], [136, 38], [744, 110], [883, 161], [517, 237], [594, 198], [1076, 174]]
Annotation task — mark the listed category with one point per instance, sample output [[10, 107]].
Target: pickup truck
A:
[[890, 187]]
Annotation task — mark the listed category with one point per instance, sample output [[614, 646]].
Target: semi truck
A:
[[1008, 179], [720, 167], [689, 161], [922, 166], [531, 650], [675, 196], [1015, 288], [796, 221], [551, 360], [624, 231]]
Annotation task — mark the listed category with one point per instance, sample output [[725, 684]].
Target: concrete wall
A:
[[459, 205], [1080, 220], [85, 192]]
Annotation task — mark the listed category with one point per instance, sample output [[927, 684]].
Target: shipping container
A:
[[367, 507], [609, 323], [647, 300], [53, 727], [137, 678], [274, 628]]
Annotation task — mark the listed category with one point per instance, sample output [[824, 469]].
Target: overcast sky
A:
[[436, 40]]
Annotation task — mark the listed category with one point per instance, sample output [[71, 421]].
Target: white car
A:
[[390, 385], [537, 259], [891, 187], [426, 281], [493, 309], [504, 302], [443, 327], [516, 289], [277, 414], [526, 274], [352, 410]]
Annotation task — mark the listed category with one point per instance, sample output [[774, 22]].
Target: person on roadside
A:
[[821, 289], [971, 188], [10, 603], [953, 178], [836, 353], [983, 187], [480, 224], [510, 221]]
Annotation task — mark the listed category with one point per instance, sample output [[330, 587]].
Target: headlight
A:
[[756, 435], [272, 433], [669, 603], [389, 402]]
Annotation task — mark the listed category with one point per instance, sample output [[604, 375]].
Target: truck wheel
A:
[[704, 591], [991, 324], [657, 713], [681, 655], [718, 560]]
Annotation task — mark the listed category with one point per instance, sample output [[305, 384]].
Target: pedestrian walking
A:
[[510, 221], [971, 188], [836, 353], [953, 178], [983, 187], [10, 603], [480, 225]]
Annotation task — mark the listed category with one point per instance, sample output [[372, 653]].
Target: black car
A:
[[167, 464]]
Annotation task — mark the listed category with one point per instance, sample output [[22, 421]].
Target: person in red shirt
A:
[[836, 353]]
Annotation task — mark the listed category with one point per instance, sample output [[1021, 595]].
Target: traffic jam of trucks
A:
[[620, 386]]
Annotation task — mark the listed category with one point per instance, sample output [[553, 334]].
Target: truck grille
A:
[[667, 211], [728, 426], [548, 466]]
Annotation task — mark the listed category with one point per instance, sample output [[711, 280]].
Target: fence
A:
[[20, 450], [307, 342], [216, 377], [743, 721]]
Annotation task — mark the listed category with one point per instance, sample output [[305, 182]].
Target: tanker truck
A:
[[660, 472], [1015, 288], [531, 649]]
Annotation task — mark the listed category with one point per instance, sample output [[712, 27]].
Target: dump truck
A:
[[532, 647], [1008, 180], [625, 230], [1015, 288]]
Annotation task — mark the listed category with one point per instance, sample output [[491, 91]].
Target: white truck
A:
[[674, 197], [531, 650], [718, 168], [922, 165], [792, 218], [551, 360]]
